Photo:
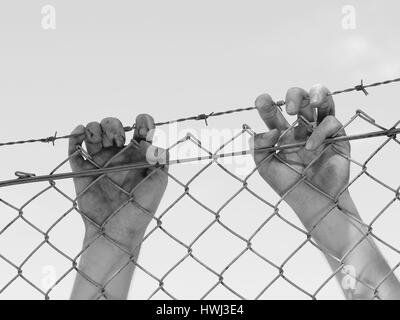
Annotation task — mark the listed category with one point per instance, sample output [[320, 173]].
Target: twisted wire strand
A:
[[203, 116], [31, 178]]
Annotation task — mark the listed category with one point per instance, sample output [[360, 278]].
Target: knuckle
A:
[[263, 101], [93, 132], [113, 129], [93, 126], [318, 94], [318, 89], [109, 122], [296, 98], [144, 119], [266, 107], [79, 129], [296, 93], [143, 115]]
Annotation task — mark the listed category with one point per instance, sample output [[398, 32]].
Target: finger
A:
[[298, 102], [77, 136], [146, 154], [144, 128], [113, 132], [263, 140], [93, 138], [327, 128], [270, 113], [322, 101]]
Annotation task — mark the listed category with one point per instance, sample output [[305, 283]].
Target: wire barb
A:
[[52, 139], [361, 87], [280, 103], [204, 117]]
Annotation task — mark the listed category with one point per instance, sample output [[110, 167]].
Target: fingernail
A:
[[263, 100], [315, 99], [290, 107], [309, 145], [143, 132]]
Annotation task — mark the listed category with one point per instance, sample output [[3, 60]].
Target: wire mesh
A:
[[270, 211]]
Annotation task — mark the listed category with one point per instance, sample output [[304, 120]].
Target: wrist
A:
[[106, 265], [311, 205], [118, 238]]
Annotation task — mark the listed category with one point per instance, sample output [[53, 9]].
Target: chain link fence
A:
[[183, 230]]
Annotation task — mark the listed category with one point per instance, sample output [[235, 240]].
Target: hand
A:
[[313, 178], [106, 202], [116, 208], [328, 170]]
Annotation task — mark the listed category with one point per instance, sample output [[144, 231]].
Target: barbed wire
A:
[[203, 116]]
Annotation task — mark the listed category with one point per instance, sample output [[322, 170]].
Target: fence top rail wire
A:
[[360, 87], [24, 178]]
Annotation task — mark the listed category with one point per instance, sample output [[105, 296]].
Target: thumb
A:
[[75, 158]]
